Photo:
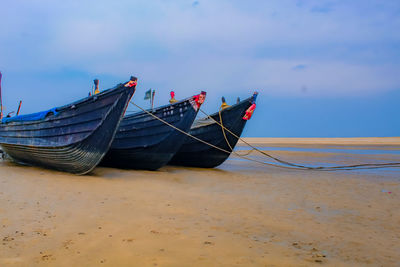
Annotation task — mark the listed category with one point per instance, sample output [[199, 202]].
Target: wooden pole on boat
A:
[[19, 107], [1, 100], [96, 86], [152, 99]]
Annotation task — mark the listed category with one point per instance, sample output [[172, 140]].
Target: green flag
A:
[[147, 95]]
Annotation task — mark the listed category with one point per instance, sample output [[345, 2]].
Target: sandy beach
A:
[[240, 213], [358, 141]]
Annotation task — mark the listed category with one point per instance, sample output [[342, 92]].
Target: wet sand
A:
[[374, 141], [238, 214]]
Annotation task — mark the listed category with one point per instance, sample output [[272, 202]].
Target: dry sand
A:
[[238, 214]]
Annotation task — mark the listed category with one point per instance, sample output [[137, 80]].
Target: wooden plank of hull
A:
[[82, 133], [197, 154], [143, 142]]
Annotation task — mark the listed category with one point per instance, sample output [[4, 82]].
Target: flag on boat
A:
[[147, 95]]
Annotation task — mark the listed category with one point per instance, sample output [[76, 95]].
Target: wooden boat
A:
[[194, 153], [144, 142], [72, 138]]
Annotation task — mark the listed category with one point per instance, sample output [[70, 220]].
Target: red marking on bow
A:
[[249, 112], [199, 99], [131, 84]]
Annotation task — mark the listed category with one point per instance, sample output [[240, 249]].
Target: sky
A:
[[322, 68]]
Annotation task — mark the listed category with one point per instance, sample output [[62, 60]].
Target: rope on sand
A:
[[344, 167], [289, 164]]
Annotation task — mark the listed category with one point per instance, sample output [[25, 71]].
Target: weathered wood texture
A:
[[72, 138], [194, 153], [143, 142]]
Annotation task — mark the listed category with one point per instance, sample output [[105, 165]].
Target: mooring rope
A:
[[200, 140], [290, 165], [344, 167]]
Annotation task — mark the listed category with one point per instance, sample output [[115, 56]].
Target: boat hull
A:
[[143, 142], [194, 153], [73, 138]]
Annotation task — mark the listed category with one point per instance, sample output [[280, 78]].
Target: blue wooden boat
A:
[[144, 142], [194, 153], [72, 138]]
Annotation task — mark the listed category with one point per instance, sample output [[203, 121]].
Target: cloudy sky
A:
[[322, 68]]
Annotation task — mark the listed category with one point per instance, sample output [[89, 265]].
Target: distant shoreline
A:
[[389, 141]]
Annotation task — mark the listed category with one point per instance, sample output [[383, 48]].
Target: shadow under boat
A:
[[144, 142], [194, 153], [72, 138]]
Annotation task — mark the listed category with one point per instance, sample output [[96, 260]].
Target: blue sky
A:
[[322, 68]]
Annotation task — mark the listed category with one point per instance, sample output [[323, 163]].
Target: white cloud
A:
[[211, 45]]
